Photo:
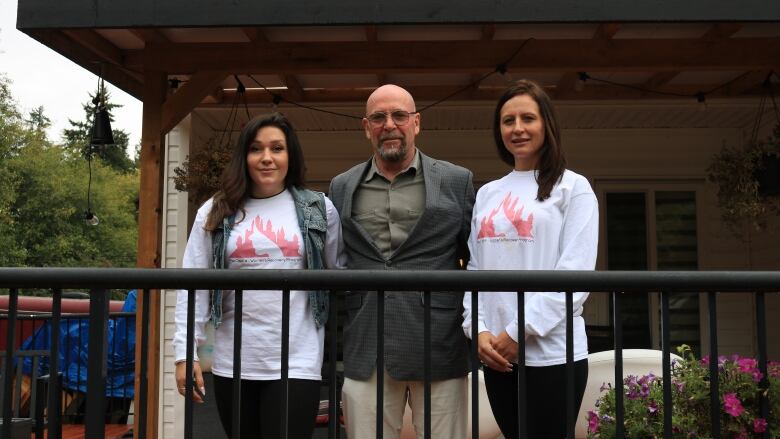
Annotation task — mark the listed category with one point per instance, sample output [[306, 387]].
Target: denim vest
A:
[[313, 222]]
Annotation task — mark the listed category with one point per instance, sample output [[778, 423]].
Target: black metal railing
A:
[[36, 336], [151, 280]]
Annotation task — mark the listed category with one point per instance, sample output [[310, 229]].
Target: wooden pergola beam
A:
[[460, 56], [189, 95], [150, 236], [256, 35]]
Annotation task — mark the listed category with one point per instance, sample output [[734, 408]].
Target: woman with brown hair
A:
[[262, 218], [540, 216]]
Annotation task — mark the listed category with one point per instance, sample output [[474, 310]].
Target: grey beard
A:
[[393, 155]]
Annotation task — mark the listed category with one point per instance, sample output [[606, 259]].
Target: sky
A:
[[43, 77]]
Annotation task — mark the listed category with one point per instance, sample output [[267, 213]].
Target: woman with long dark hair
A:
[[540, 216], [262, 218]]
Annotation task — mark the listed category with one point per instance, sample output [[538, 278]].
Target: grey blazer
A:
[[436, 242]]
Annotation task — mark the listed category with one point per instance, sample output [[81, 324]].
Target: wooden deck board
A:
[[76, 431]]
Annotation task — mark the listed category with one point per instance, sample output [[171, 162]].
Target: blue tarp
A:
[[74, 348]]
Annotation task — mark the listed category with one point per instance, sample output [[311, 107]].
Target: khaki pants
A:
[[449, 407]]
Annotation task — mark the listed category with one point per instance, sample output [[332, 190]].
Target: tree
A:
[[43, 196], [78, 137]]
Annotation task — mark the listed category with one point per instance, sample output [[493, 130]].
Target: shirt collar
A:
[[413, 167]]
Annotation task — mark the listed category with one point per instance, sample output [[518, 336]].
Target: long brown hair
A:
[[552, 161], [236, 183]]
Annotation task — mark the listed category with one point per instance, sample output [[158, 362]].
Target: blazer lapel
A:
[[349, 189]]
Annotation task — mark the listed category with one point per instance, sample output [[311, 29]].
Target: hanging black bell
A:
[[101, 127]]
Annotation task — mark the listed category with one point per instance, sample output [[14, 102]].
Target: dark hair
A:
[[236, 183], [552, 161]]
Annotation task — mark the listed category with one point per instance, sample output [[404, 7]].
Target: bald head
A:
[[392, 92], [393, 138]]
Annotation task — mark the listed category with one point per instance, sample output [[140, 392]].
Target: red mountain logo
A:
[[245, 248], [523, 227]]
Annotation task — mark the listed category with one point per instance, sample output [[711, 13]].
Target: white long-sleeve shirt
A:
[[268, 237], [511, 230]]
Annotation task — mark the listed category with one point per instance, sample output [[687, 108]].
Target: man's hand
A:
[[181, 380], [488, 354], [506, 347]]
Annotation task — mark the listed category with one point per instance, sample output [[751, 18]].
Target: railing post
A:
[[522, 400], [380, 363], [570, 414], [474, 364], [666, 364], [188, 381], [143, 390], [8, 393], [617, 323], [96, 369], [762, 359], [427, 364], [714, 385], [285, 363], [238, 312], [55, 391], [333, 393]]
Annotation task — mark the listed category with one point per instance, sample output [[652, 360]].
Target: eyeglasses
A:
[[400, 117]]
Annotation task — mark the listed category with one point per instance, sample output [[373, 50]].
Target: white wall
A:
[[175, 231]]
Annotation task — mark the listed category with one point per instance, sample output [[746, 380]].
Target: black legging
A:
[[545, 389], [261, 411]]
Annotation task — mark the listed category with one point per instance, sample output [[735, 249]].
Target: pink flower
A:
[[652, 408], [747, 365], [741, 435], [759, 425], [732, 405], [593, 421]]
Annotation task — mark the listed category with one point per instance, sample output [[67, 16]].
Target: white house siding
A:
[[175, 232], [651, 155]]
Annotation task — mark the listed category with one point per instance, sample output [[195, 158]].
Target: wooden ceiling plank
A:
[[604, 32], [97, 44], [150, 35], [716, 32], [742, 87], [189, 95], [461, 56]]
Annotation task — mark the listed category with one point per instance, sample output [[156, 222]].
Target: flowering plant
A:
[[740, 386]]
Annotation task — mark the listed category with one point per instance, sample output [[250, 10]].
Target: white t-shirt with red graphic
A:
[[267, 237], [511, 230]]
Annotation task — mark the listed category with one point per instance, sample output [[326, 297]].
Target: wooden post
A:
[[150, 241]]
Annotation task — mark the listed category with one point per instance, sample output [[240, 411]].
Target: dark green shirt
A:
[[389, 210]]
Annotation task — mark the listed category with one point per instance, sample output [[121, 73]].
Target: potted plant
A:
[[199, 174], [748, 182], [740, 383]]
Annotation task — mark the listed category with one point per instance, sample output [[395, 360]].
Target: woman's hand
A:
[[505, 346], [489, 355], [199, 390]]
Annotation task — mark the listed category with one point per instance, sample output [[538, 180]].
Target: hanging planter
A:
[[201, 172], [748, 183]]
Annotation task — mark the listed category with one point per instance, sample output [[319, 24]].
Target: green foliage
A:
[[740, 386], [78, 137], [43, 195]]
